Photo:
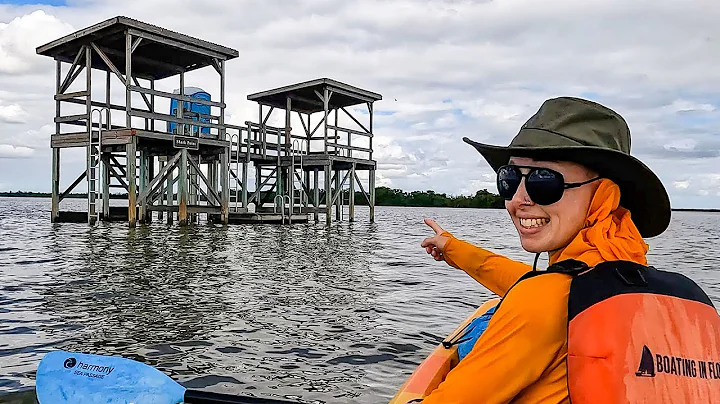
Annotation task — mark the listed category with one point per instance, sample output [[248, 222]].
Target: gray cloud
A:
[[456, 68]]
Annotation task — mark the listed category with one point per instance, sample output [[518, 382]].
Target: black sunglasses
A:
[[544, 186]]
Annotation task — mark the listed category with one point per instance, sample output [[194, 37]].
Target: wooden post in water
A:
[[143, 184], [316, 196], [328, 196], [338, 195], [372, 195], [161, 161], [106, 185], [351, 203], [224, 187], [170, 194], [183, 189], [55, 183], [131, 154]]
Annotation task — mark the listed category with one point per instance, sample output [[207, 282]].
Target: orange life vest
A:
[[639, 335]]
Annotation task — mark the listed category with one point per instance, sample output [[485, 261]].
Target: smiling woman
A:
[[598, 313], [558, 213]]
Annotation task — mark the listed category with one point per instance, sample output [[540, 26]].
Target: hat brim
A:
[[642, 192]]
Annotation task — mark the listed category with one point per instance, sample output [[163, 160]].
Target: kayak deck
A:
[[433, 370]]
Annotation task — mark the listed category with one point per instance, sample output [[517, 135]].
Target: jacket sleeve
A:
[[525, 338], [495, 272]]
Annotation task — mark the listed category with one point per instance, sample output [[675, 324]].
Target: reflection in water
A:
[[327, 315]]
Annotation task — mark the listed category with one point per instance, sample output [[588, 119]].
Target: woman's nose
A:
[[521, 197]]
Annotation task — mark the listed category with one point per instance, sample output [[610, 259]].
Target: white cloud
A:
[[11, 152], [445, 68], [685, 106], [20, 37], [13, 113]]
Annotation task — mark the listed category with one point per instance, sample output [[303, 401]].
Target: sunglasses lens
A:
[[508, 181], [545, 186]]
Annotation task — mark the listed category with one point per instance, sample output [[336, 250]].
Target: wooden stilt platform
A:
[[187, 161]]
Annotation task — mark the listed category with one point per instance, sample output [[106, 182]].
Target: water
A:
[[332, 315]]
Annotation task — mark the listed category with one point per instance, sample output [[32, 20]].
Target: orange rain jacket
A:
[[521, 357]]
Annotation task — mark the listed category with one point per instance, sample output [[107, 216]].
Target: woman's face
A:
[[551, 227]]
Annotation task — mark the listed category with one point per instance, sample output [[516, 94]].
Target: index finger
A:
[[433, 225]]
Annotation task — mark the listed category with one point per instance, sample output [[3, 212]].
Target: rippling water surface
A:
[[329, 315]]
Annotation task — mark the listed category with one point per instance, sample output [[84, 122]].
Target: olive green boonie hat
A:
[[582, 131]]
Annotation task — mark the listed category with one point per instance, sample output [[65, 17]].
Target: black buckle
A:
[[570, 267]]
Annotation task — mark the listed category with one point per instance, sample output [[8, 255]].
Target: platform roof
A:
[[304, 98], [161, 53]]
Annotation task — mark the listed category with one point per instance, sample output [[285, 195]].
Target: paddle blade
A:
[[69, 377]]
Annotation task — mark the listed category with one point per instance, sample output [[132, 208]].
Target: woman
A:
[[599, 325]]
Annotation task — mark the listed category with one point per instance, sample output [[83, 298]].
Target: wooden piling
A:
[[183, 189], [131, 155]]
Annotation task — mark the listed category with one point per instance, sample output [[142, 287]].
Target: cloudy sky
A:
[[446, 69]]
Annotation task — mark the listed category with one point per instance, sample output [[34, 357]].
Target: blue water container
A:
[[189, 108]]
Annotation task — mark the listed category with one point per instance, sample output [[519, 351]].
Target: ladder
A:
[[94, 162], [297, 190], [235, 182], [266, 179]]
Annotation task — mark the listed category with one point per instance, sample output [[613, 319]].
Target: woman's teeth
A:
[[533, 222]]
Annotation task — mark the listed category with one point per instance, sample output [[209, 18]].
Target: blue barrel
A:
[[193, 92]]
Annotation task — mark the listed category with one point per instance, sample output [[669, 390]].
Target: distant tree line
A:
[[384, 196], [28, 194]]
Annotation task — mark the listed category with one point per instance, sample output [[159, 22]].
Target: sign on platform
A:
[[184, 142]]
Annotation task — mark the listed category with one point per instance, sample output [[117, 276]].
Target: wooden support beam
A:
[[177, 44], [115, 175], [108, 63], [347, 130], [338, 192], [351, 203], [180, 97], [143, 184], [183, 188], [72, 186], [370, 109], [162, 175], [356, 121], [72, 74], [55, 185], [198, 172], [69, 96], [328, 197], [143, 95], [162, 160], [128, 73], [338, 185], [347, 147], [170, 196], [140, 59], [362, 189], [170, 118], [131, 150], [106, 184], [372, 195], [136, 44], [71, 118], [316, 196]]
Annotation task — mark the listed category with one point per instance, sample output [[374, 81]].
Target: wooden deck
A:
[[118, 137], [266, 218]]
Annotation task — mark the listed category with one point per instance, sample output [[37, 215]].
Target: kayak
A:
[[433, 370]]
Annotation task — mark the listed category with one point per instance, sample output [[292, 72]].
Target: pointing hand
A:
[[434, 245]]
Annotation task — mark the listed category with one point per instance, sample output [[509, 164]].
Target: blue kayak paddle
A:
[[70, 377]]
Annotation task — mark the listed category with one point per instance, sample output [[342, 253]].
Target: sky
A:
[[445, 68]]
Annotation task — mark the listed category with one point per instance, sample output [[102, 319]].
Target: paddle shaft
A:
[[207, 397]]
